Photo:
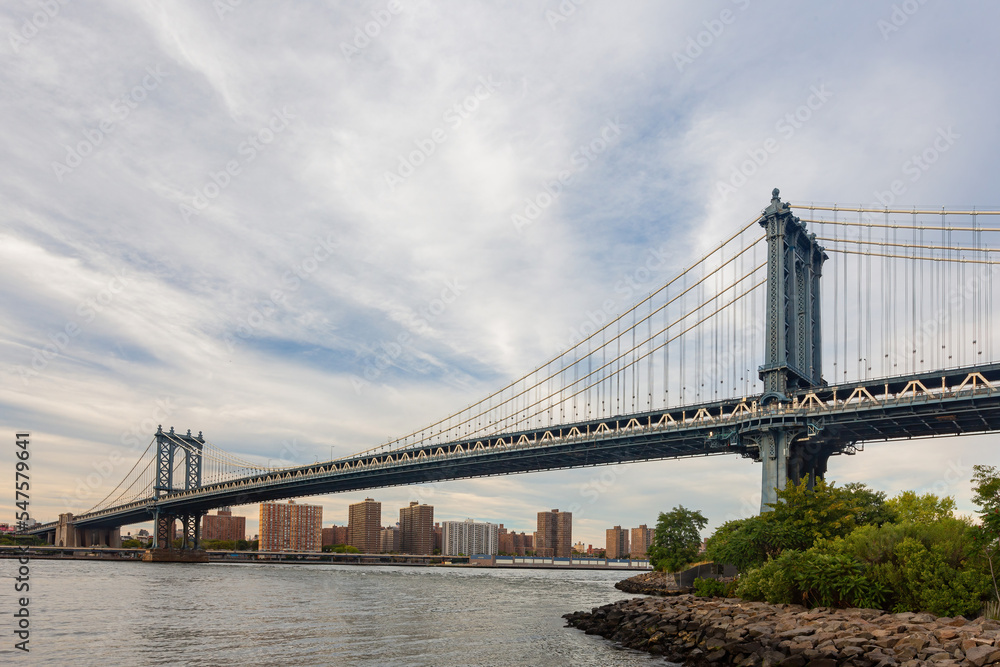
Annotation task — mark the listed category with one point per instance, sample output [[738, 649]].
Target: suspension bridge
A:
[[737, 354]]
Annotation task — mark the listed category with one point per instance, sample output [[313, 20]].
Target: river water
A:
[[123, 613]]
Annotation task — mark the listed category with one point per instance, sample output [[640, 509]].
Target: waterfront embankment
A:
[[651, 583], [715, 631]]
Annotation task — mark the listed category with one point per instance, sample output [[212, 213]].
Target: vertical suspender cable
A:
[[836, 297]]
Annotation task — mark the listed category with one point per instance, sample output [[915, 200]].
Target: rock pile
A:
[[651, 583], [715, 631]]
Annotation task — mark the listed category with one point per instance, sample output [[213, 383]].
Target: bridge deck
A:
[[944, 403]]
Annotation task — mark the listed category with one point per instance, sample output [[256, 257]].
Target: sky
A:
[[306, 229]]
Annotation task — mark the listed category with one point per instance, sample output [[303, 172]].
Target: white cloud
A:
[[175, 329]]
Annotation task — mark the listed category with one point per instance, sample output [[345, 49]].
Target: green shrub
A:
[[933, 567], [799, 518], [849, 547], [927, 581], [835, 580], [772, 581], [711, 588]]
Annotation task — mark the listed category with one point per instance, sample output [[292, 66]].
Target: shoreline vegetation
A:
[[829, 576]]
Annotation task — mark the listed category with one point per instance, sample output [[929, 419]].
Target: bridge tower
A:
[[788, 449], [169, 446]]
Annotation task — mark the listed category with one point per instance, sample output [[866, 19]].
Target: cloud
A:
[[274, 311]]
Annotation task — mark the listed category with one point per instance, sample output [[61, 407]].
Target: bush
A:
[[926, 581], [850, 547], [934, 567], [812, 579], [711, 588], [799, 518], [771, 582], [836, 580], [745, 543]]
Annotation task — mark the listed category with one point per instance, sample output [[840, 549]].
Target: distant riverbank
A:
[[327, 558]]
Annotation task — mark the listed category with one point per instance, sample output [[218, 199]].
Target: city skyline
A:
[[328, 524]]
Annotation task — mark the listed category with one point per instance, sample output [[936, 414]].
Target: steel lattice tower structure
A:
[[167, 446], [788, 449]]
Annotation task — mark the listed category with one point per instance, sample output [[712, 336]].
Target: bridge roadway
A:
[[941, 403]]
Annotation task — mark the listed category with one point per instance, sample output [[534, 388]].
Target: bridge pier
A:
[[792, 354], [774, 450], [100, 537], [66, 534], [163, 550], [170, 445], [787, 456]]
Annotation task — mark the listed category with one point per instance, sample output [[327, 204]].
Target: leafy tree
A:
[[219, 545], [676, 539], [871, 506], [799, 518], [986, 494], [911, 508], [822, 512], [745, 543], [986, 488], [131, 544]]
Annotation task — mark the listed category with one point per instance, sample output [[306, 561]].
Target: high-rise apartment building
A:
[[416, 527], [642, 537], [364, 525], [223, 526], [390, 539], [469, 538], [523, 543], [290, 527], [513, 544], [334, 535], [554, 535], [505, 541], [438, 546], [617, 542]]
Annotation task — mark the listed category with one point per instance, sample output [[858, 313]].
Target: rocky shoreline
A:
[[651, 583], [715, 631]]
